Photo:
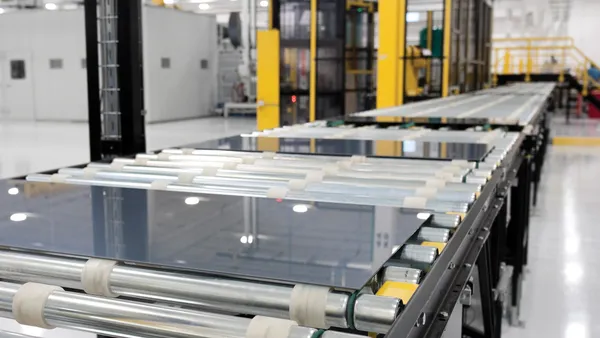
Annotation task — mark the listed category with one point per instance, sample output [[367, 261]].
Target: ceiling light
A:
[[204, 6], [2, 10], [192, 200], [169, 2], [18, 217], [13, 191], [244, 239], [250, 239], [300, 208], [51, 6], [264, 3]]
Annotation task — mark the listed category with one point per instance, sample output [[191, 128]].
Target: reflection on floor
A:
[[561, 298], [582, 127], [34, 147], [562, 293]]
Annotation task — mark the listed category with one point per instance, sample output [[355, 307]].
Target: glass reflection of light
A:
[[247, 239], [576, 330], [573, 273], [423, 215], [18, 217], [571, 245], [300, 208], [409, 146], [32, 331], [192, 200], [13, 191]]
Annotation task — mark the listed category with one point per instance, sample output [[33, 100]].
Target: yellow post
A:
[[521, 66], [529, 63], [561, 76], [507, 61], [313, 61], [390, 63], [429, 45], [267, 84], [447, 42]]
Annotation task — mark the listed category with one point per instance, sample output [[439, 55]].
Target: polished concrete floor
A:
[[562, 294], [34, 147]]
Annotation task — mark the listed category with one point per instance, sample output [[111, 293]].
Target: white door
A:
[[16, 86]]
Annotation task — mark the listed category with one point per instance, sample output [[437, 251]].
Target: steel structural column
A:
[[447, 41], [131, 77], [93, 80]]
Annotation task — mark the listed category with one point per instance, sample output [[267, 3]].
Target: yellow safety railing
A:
[[542, 55]]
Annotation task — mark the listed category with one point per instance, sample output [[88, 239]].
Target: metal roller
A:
[[128, 319], [429, 234], [401, 274], [441, 206], [448, 221], [221, 294], [413, 253]]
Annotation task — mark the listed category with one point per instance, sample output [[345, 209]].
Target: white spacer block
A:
[[187, 178], [297, 184], [160, 185], [461, 163], [89, 172], [358, 159], [435, 183], [163, 156], [95, 277], [444, 175], [308, 304], [59, 178], [187, 151], [248, 160], [427, 192], [29, 302], [141, 161], [117, 166], [277, 192], [415, 202], [315, 176], [344, 164], [267, 327], [452, 169], [229, 166], [268, 155], [331, 170]]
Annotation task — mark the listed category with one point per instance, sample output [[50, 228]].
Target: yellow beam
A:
[[447, 43], [313, 61], [267, 86], [390, 63], [576, 141]]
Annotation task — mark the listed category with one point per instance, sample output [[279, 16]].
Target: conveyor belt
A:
[[511, 105]]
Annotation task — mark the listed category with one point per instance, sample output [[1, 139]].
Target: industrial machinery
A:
[[314, 230]]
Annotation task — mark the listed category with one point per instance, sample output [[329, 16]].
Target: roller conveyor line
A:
[[516, 105]]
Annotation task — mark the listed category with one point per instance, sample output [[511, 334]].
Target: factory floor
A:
[[561, 297]]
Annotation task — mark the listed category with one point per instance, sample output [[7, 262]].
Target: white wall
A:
[[583, 27], [182, 91], [185, 90], [60, 94]]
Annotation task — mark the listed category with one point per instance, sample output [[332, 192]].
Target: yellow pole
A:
[[529, 63], [391, 48], [584, 92], [429, 44], [313, 61], [447, 43], [521, 66], [506, 68]]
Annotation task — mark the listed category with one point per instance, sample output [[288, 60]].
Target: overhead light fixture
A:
[[300, 208], [169, 2], [250, 239], [51, 6], [18, 217], [244, 239], [264, 3], [12, 191], [2, 10], [412, 17], [204, 6], [192, 200]]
